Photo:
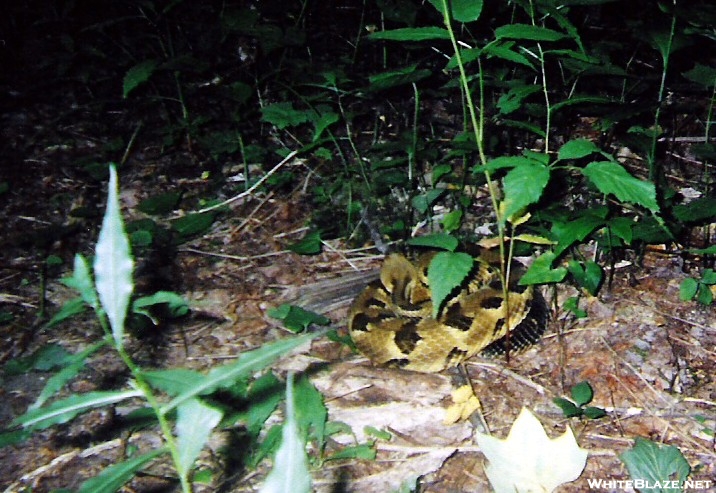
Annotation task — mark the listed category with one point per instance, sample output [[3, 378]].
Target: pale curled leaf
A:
[[528, 460], [113, 263], [195, 421]]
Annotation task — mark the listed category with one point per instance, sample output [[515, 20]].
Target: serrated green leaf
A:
[[114, 477], [113, 263], [611, 178], [513, 99], [452, 220], [523, 186], [311, 244], [137, 75], [446, 272], [311, 412], [577, 149], [290, 472], [505, 52], [195, 422], [64, 410], [442, 241], [528, 32], [650, 462], [541, 271], [582, 393], [284, 115], [247, 364], [411, 34]]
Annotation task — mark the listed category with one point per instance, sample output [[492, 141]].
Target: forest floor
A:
[[650, 357]]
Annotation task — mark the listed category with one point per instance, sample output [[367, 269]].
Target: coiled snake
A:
[[391, 319]]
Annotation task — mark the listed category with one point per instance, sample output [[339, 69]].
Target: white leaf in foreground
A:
[[195, 421], [290, 467], [113, 263], [528, 461]]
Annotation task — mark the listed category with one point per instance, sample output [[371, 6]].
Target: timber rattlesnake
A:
[[391, 319]]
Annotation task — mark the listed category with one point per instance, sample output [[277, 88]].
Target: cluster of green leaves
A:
[[582, 394], [195, 402]]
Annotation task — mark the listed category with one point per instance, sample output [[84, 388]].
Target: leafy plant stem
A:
[[478, 125], [164, 425], [654, 172]]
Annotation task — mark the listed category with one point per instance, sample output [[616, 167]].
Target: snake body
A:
[[391, 320]]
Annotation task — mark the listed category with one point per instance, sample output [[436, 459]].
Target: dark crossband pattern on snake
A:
[[391, 320]]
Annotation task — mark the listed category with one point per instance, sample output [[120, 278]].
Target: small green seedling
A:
[[699, 289], [582, 395]]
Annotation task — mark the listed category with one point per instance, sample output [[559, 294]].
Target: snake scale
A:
[[391, 319]]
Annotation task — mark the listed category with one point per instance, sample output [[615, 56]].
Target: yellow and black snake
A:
[[391, 320]]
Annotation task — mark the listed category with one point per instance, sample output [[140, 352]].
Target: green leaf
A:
[[651, 462], [572, 305], [311, 412], [69, 309], [64, 410], [195, 422], [611, 178], [113, 263], [446, 272], [577, 228], [160, 204], [174, 381], [137, 75], [283, 115], [577, 149], [311, 244], [295, 318], [248, 363], [569, 408], [81, 281], [523, 186], [461, 10], [193, 224], [452, 220], [72, 366], [622, 227], [397, 77], [411, 34], [177, 305], [361, 452], [541, 271], [114, 477], [423, 202], [442, 241], [290, 472], [504, 51], [708, 277], [45, 358], [513, 99], [529, 32], [582, 393], [589, 277], [702, 74], [592, 412], [14, 437], [688, 288], [704, 295]]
